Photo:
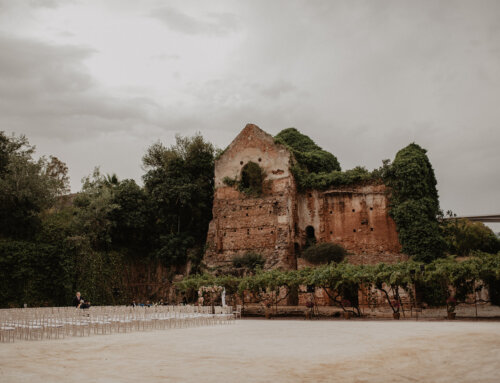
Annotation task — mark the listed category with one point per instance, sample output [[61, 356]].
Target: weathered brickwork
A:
[[277, 224], [355, 217], [242, 224]]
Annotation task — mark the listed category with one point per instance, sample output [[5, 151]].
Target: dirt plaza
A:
[[268, 351]]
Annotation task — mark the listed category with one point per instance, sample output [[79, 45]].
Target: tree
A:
[[179, 183], [463, 237], [27, 186], [414, 204]]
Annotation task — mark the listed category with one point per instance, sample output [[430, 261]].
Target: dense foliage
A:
[[249, 261], [179, 184], [308, 155], [52, 245], [342, 281], [27, 186], [415, 204], [252, 178], [463, 237], [315, 168], [324, 252]]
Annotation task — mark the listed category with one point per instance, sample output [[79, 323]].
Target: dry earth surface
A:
[[268, 351]]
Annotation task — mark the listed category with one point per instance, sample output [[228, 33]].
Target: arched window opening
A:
[[252, 178], [310, 236]]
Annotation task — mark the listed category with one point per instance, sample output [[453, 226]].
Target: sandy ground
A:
[[268, 351]]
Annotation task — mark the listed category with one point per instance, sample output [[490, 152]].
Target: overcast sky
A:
[[97, 82]]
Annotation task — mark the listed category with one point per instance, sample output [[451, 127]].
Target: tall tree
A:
[[27, 186], [415, 204], [179, 182]]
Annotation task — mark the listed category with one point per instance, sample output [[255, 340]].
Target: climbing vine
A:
[[251, 181], [414, 204], [315, 168]]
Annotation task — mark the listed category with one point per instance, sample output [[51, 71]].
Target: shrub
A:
[[249, 261], [230, 181], [252, 177], [315, 168], [324, 253], [306, 152]]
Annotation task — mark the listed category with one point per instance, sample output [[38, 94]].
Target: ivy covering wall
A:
[[315, 168], [414, 204]]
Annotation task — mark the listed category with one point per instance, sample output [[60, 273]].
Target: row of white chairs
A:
[[60, 322]]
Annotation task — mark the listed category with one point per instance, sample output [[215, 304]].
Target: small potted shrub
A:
[[451, 305]]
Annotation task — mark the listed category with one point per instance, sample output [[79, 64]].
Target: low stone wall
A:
[[484, 311]]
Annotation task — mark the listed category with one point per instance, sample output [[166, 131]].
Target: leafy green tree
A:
[[27, 186], [131, 218], [463, 237], [415, 204], [95, 207], [179, 184]]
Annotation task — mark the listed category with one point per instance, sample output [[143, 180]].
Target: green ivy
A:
[[250, 261], [414, 204], [435, 282], [324, 253], [251, 182], [315, 168]]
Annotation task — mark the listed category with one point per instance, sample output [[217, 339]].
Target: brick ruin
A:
[[277, 224]]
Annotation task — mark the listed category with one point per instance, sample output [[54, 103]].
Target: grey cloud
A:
[[46, 3], [278, 88], [362, 79], [217, 24], [47, 87]]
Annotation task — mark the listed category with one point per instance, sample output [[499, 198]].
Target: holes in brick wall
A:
[[310, 195], [272, 231], [353, 210], [371, 208], [260, 159], [371, 228], [248, 231], [353, 230], [331, 212], [247, 214], [241, 162], [331, 232], [224, 234]]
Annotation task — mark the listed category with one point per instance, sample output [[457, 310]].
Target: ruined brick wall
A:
[[355, 217], [276, 224], [241, 223]]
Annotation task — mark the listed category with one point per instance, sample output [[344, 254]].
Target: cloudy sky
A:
[[96, 82]]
